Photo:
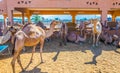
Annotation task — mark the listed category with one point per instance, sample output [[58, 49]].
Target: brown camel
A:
[[73, 36], [30, 35]]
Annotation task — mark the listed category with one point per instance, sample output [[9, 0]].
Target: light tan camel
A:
[[96, 28], [30, 35]]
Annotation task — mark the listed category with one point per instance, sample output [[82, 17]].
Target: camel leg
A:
[[81, 31], [97, 39], [14, 59], [93, 40], [33, 50], [19, 62], [41, 47], [65, 40], [61, 39], [78, 39]]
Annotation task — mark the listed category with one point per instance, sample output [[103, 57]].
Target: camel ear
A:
[[96, 19]]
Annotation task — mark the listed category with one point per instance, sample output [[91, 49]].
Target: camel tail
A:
[[13, 50]]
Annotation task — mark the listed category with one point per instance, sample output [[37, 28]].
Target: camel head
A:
[[9, 32], [55, 22], [94, 21], [13, 29], [52, 26]]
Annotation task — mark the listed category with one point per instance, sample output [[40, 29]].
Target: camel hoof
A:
[[31, 61], [23, 70], [42, 62]]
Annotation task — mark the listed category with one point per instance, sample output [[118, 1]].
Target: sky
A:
[[1, 17], [67, 16], [70, 17], [57, 16]]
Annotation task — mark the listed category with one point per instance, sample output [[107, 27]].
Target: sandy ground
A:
[[73, 58]]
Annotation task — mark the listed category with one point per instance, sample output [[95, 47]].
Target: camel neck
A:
[[52, 27], [95, 29], [5, 38], [85, 36], [50, 32]]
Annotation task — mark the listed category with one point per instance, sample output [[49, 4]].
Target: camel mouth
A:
[[57, 22], [5, 38]]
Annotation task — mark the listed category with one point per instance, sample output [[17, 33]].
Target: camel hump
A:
[[32, 31]]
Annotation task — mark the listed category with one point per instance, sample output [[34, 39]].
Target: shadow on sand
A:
[[97, 52], [53, 46], [116, 51], [34, 70]]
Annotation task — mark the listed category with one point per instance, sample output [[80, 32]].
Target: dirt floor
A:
[[73, 58]]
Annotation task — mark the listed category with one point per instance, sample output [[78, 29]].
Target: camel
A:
[[56, 35], [105, 35], [96, 29], [74, 37], [16, 26], [71, 35], [63, 34], [109, 36], [30, 35]]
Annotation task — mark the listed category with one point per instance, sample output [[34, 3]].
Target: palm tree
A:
[[37, 18]]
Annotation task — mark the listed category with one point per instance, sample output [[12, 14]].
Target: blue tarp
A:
[[3, 47]]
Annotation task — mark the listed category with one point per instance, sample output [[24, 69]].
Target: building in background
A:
[[74, 8]]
